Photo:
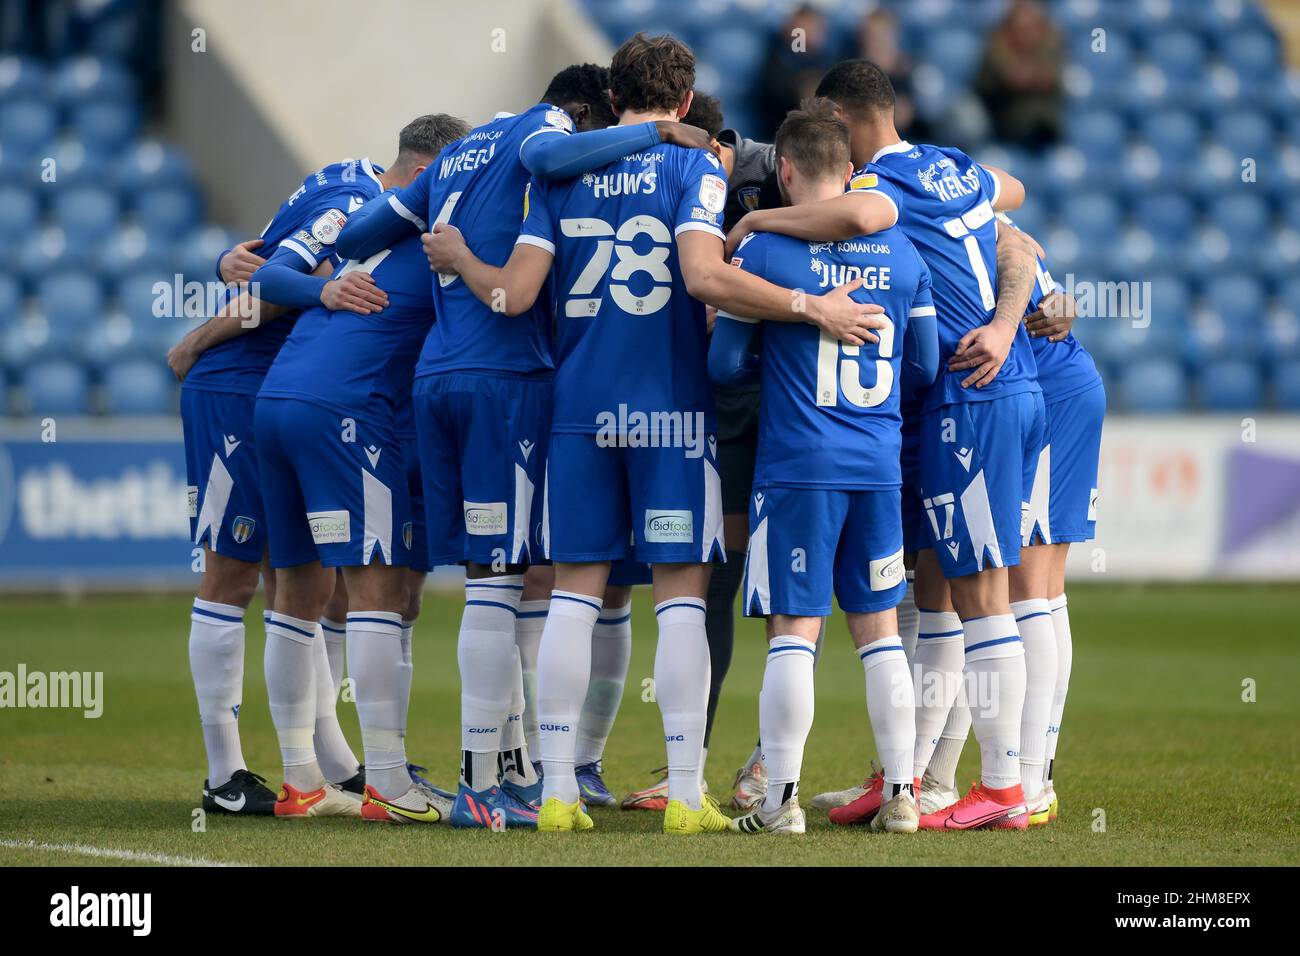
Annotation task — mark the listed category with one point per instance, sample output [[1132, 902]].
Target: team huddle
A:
[[593, 346]]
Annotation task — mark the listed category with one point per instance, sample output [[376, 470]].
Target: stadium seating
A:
[[1147, 183]]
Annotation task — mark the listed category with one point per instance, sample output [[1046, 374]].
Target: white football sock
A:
[[291, 692], [217, 664], [936, 673], [785, 715], [336, 633], [528, 638], [682, 689], [486, 652], [995, 692], [891, 705], [563, 669], [947, 753], [337, 761], [611, 650], [375, 665], [514, 762], [1064, 661], [909, 619], [408, 670], [1034, 622]]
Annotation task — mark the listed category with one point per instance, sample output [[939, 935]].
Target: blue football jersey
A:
[[477, 184], [627, 333], [830, 414], [945, 206], [308, 222], [1065, 368], [362, 365]]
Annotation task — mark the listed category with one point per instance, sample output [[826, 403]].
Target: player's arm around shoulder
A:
[[511, 289], [859, 212]]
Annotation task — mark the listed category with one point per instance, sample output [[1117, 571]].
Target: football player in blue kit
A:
[[825, 508], [637, 249], [1061, 509], [980, 430], [483, 402], [335, 487], [222, 364]]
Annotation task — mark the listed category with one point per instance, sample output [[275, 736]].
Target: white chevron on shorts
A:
[[979, 522], [523, 516], [1039, 511], [215, 499], [378, 518], [756, 576]]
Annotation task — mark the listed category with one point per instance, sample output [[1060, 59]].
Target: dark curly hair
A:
[[583, 83], [651, 73]]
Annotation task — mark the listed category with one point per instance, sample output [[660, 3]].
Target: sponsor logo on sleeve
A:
[[864, 181], [559, 119], [330, 527], [313, 244], [663, 526]]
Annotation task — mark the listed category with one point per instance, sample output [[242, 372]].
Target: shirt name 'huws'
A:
[[621, 184]]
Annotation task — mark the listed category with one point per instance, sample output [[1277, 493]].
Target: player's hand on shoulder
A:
[[682, 134], [743, 227], [1054, 318], [239, 264], [984, 350], [354, 292], [843, 318], [443, 247]]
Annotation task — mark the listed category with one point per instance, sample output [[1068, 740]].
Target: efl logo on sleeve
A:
[[669, 527], [329, 527], [713, 193]]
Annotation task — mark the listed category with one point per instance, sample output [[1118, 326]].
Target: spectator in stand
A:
[[798, 56], [1019, 80], [878, 41]]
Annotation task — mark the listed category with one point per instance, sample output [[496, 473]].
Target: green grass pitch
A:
[[1156, 737]]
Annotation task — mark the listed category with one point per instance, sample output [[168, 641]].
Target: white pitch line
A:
[[136, 856]]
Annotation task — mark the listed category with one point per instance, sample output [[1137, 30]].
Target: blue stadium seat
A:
[[1167, 215], [1281, 338], [1095, 216], [11, 298], [1253, 53], [78, 163], [131, 249], [736, 50], [106, 124], [1286, 384], [56, 387], [70, 298], [27, 125], [1243, 215], [1100, 133], [1153, 386], [1246, 133], [86, 214], [1174, 134], [149, 164], [48, 250], [22, 77], [198, 256], [1231, 386], [168, 210], [1237, 298], [957, 50], [19, 213], [136, 296], [84, 78], [1180, 54], [138, 387]]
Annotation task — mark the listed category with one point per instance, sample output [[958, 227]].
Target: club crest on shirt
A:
[[748, 197], [408, 532], [241, 529]]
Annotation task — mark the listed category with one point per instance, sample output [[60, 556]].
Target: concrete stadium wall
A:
[[287, 86]]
